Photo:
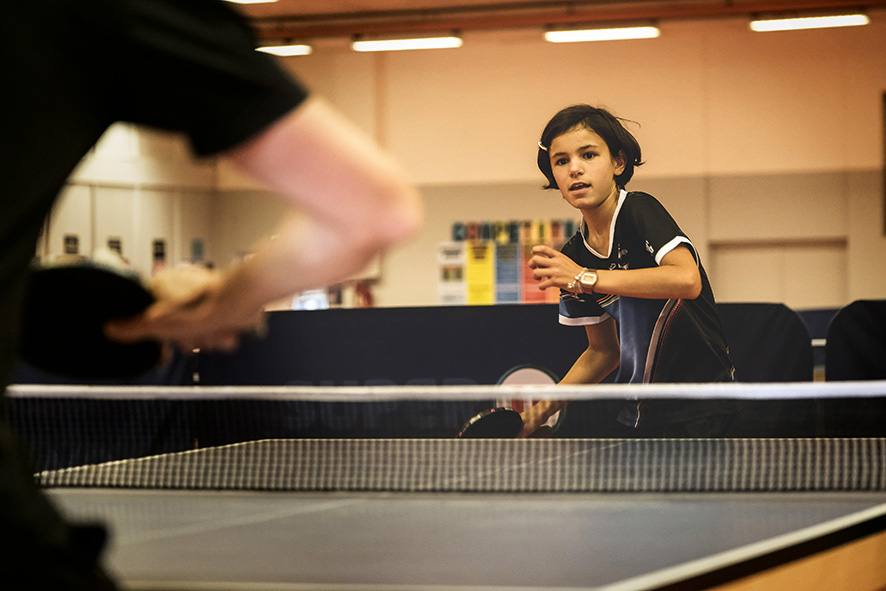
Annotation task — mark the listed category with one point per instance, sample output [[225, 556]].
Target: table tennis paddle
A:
[[495, 423], [66, 308], [531, 375]]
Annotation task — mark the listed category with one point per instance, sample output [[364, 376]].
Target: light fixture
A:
[[286, 50], [610, 34], [406, 44], [809, 22]]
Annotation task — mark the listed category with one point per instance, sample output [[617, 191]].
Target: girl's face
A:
[[584, 169]]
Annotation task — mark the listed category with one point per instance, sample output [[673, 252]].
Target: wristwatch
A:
[[585, 280]]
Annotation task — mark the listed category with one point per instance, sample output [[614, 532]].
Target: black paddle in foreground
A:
[[495, 423], [66, 308]]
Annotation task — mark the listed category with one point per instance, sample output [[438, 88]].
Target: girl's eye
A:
[[589, 155], [561, 162]]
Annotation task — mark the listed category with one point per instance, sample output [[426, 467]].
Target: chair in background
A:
[[856, 346], [770, 343], [856, 350], [767, 342]]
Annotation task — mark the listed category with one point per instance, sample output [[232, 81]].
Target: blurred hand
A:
[[192, 311]]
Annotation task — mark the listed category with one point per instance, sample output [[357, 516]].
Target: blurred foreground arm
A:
[[357, 201], [350, 202]]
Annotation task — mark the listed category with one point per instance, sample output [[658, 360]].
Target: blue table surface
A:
[[429, 542]]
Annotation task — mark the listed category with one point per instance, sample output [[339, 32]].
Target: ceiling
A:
[[302, 19]]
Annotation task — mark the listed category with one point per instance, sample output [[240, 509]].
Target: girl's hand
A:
[[537, 415], [532, 421], [552, 268]]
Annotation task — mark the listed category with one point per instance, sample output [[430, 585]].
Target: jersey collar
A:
[[584, 229]]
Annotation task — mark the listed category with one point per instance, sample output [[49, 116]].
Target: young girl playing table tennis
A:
[[632, 279]]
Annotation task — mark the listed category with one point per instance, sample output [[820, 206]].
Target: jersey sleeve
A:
[[192, 67], [580, 310], [655, 226]]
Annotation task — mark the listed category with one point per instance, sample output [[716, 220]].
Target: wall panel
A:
[[767, 148]]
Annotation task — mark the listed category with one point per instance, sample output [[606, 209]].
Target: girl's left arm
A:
[[676, 277]]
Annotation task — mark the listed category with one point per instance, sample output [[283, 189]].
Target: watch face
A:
[[588, 279]]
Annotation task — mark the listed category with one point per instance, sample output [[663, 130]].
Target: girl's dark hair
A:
[[603, 123]]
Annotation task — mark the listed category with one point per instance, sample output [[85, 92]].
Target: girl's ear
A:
[[620, 161]]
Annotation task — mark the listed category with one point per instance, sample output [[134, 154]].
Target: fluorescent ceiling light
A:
[[405, 44], [809, 22], [613, 34], [286, 50]]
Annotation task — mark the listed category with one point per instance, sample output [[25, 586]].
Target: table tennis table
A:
[[433, 514], [177, 539]]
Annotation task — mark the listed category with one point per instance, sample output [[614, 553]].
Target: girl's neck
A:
[[598, 222]]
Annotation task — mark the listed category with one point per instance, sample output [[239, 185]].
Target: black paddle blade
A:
[[495, 423], [66, 307]]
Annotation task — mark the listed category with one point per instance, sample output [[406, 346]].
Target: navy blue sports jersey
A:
[[674, 340]]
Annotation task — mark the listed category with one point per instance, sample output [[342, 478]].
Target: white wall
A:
[[774, 130], [767, 147], [136, 185]]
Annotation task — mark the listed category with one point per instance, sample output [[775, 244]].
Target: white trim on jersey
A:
[[583, 320], [677, 241], [655, 339], [581, 229]]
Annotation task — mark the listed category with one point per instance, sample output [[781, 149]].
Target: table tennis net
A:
[[494, 465], [391, 439]]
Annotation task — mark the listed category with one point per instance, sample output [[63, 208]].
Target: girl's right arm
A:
[[595, 363], [600, 358]]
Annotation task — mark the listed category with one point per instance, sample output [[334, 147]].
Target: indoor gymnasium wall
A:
[[137, 186], [768, 149]]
